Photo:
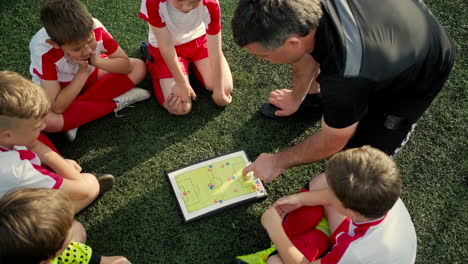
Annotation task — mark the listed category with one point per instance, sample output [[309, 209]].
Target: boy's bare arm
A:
[[182, 87], [215, 57], [272, 222], [56, 162], [62, 98], [292, 202], [117, 62]]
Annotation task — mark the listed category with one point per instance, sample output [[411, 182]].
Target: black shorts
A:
[[389, 124], [386, 132]]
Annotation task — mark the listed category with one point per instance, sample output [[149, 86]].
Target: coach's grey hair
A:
[[271, 22]]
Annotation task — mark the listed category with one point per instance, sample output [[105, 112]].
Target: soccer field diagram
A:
[[216, 183]]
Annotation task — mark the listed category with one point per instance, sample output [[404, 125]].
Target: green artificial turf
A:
[[139, 218]]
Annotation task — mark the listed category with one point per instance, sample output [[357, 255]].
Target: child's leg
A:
[[107, 87], [77, 114], [96, 101], [80, 113], [312, 245], [163, 83], [302, 220], [78, 232], [46, 141], [334, 217], [174, 105], [81, 192], [204, 67]]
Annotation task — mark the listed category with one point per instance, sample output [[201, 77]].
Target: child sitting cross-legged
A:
[[27, 158], [37, 227], [359, 194], [85, 72]]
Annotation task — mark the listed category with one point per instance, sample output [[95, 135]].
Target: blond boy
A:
[[27, 158]]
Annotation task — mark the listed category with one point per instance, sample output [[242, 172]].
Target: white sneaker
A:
[[134, 95], [71, 134]]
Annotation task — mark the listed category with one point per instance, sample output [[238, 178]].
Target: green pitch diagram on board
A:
[[216, 183]]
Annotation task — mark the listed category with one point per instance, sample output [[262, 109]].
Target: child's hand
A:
[[74, 165], [221, 99], [271, 220], [93, 58], [287, 204], [115, 260], [84, 66], [183, 91], [176, 105]]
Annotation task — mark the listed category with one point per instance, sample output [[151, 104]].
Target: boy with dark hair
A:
[[359, 193], [84, 71], [27, 157], [37, 227]]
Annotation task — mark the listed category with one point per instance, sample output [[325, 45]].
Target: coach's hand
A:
[[286, 101], [265, 167]]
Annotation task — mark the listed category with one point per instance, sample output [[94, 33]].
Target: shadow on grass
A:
[[118, 144], [151, 230]]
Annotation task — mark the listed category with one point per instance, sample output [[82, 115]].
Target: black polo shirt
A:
[[383, 55]]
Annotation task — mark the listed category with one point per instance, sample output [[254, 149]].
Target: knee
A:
[[138, 70], [78, 232], [93, 186], [274, 259], [318, 182], [228, 87], [179, 108]]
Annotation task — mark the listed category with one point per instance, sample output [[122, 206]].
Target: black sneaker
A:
[[145, 51], [311, 108], [106, 181]]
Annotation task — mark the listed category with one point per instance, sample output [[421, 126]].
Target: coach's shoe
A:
[[255, 258], [311, 107], [71, 134], [134, 95], [106, 181]]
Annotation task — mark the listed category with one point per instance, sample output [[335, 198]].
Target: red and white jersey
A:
[[49, 63], [390, 239], [184, 27], [21, 168]]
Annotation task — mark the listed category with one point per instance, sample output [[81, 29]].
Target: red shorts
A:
[[300, 227], [187, 53]]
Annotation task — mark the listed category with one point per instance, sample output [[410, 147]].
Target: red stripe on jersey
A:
[[107, 41], [344, 239], [26, 154], [48, 59], [215, 17], [29, 155], [58, 179], [153, 17]]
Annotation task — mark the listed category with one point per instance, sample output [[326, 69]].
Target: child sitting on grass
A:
[[359, 193], [84, 71], [183, 32], [27, 157], [37, 227]]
